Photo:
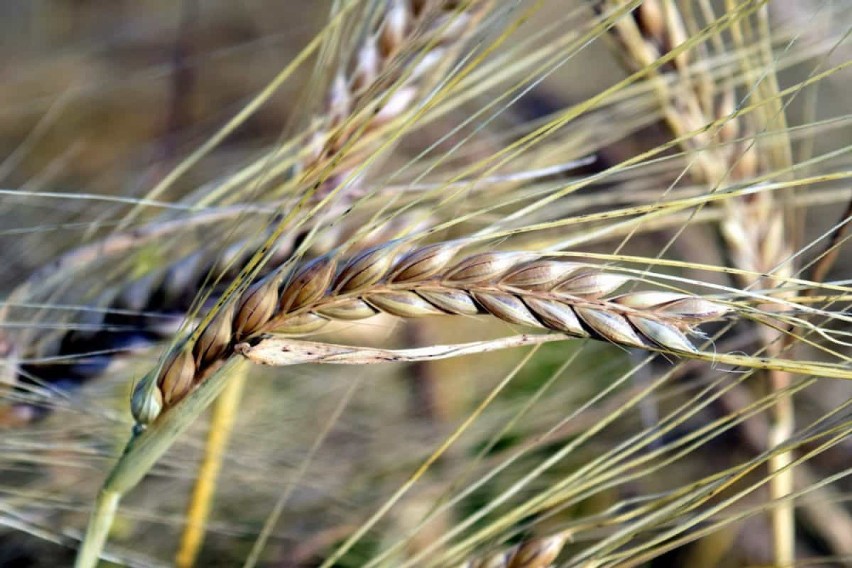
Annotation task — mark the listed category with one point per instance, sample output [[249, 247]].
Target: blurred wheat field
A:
[[165, 165]]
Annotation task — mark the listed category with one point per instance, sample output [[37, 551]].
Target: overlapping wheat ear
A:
[[411, 41], [758, 237], [691, 99], [142, 310], [393, 67], [392, 70]]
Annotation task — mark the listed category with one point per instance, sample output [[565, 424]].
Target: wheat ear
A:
[[381, 88], [517, 288], [754, 228], [392, 69]]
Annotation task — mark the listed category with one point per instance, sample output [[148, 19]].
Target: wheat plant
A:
[[466, 283]]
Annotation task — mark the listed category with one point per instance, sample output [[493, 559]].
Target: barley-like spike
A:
[[390, 73], [424, 282], [754, 225]]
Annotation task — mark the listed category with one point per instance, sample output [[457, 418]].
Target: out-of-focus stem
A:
[[198, 511]]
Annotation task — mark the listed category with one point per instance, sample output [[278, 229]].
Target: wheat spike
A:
[[754, 225], [518, 288], [390, 72]]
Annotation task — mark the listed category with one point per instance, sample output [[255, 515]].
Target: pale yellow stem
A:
[[198, 511], [782, 516]]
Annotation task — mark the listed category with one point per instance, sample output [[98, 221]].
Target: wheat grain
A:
[[518, 288], [539, 552]]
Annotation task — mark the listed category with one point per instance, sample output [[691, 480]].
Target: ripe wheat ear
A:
[[561, 296]]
